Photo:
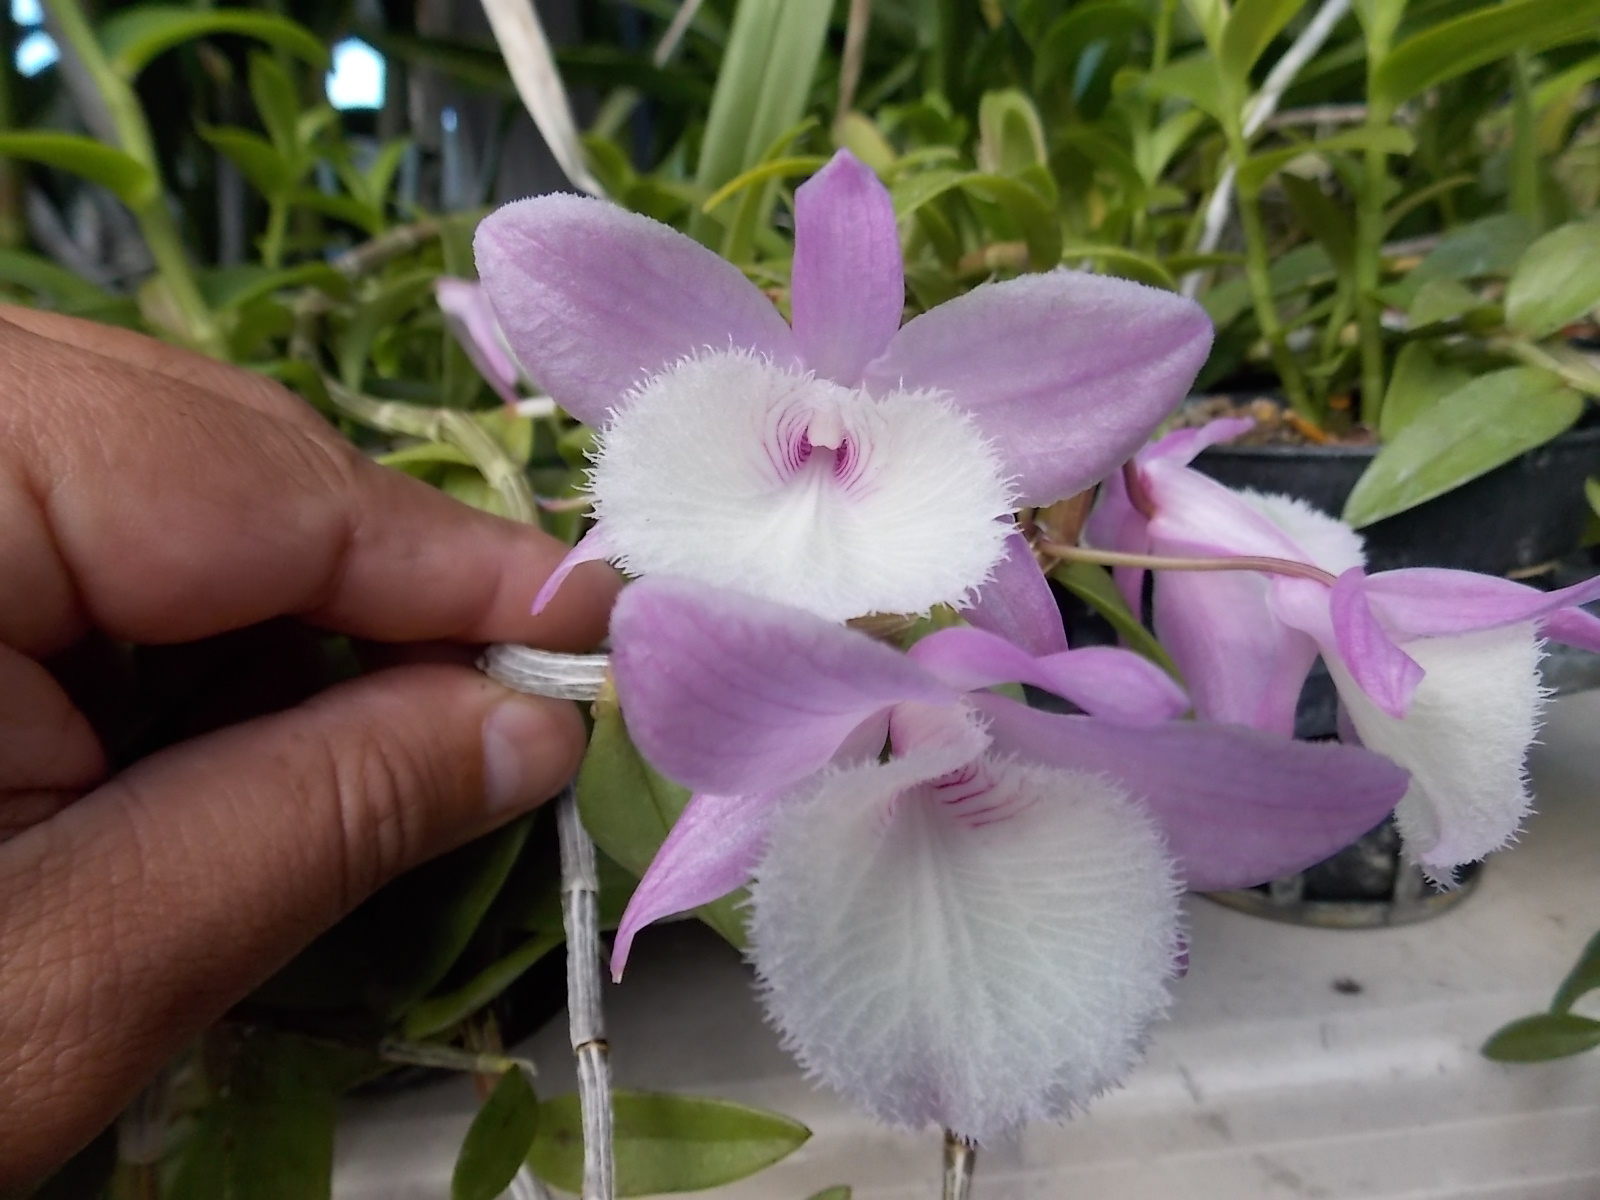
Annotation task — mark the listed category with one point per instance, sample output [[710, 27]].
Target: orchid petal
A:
[[712, 849], [1237, 807], [471, 321], [1067, 372], [727, 693], [1017, 602], [1387, 674], [1115, 524], [1573, 627], [973, 954], [1436, 602], [1243, 666], [1464, 738], [1115, 684], [1183, 446], [593, 546], [726, 468], [1197, 515], [593, 298], [1322, 541], [848, 288]]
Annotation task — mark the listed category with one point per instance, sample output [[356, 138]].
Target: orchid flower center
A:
[[729, 469]]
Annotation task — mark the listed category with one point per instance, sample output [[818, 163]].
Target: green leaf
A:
[[1034, 217], [1440, 300], [1585, 974], [1128, 264], [834, 1193], [425, 454], [1194, 78], [1472, 430], [665, 1143], [1094, 586], [1330, 224], [235, 287], [1249, 30], [133, 37], [777, 168], [439, 1013], [51, 283], [1098, 32], [1010, 134], [121, 174], [1390, 139], [1452, 48], [1542, 1037], [276, 104], [1591, 533], [498, 1140], [375, 314], [1557, 281], [629, 808], [1420, 381], [258, 160]]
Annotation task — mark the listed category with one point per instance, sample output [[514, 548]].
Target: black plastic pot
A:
[[1520, 515]]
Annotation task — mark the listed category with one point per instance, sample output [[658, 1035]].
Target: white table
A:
[[1267, 1082]]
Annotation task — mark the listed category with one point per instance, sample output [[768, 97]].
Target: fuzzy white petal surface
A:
[[1328, 542], [1465, 741], [730, 470], [976, 952]]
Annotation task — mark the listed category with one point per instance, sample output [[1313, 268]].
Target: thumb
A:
[[141, 913]]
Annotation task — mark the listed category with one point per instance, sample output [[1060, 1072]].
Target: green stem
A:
[[1163, 42], [1525, 197], [1369, 275], [133, 135], [1258, 273], [277, 229]]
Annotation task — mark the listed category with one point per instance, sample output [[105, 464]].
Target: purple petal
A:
[[1017, 602], [593, 298], [1117, 685], [471, 321], [712, 849], [1067, 372], [848, 287], [591, 547], [1183, 446], [1435, 602], [1573, 627], [1386, 673], [1115, 524], [726, 693], [1242, 664], [1238, 807]]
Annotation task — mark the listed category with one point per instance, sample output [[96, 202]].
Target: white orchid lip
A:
[[730, 469]]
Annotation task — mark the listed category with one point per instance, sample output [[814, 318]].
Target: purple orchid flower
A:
[[1436, 669], [976, 930], [844, 464], [471, 322]]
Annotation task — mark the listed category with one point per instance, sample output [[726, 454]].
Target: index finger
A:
[[159, 511]]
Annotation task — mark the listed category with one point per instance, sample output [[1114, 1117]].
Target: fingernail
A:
[[516, 740]]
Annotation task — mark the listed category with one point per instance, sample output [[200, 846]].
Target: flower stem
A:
[[580, 891], [1158, 562], [1258, 272], [960, 1157]]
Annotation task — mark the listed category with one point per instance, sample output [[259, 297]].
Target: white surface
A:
[[1266, 1083]]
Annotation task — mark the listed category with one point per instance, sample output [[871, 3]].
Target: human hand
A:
[[153, 497]]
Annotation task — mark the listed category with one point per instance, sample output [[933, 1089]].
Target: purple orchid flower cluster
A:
[[965, 911]]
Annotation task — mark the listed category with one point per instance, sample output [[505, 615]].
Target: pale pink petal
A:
[[712, 849], [1237, 806], [1196, 515], [1067, 372], [1115, 524], [848, 286], [1243, 665], [1183, 446], [1380, 668], [726, 693], [593, 298], [592, 547], [1115, 684], [1017, 602], [470, 319], [1573, 627], [1435, 602]]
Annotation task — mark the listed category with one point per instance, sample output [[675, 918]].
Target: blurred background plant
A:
[[1388, 211]]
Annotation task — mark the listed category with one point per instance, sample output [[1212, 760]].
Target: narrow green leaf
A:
[[133, 37], [1128, 264], [376, 313], [1557, 281], [1452, 48], [1472, 430], [258, 160], [778, 168], [629, 808], [1010, 134], [1440, 300], [51, 283], [1491, 246], [1099, 32], [439, 1013], [834, 1193], [1420, 381], [1094, 586], [1194, 78], [1330, 224], [280, 1114], [121, 174], [425, 454], [1249, 30], [1034, 217], [498, 1140], [1543, 1037], [1585, 974], [1390, 139], [276, 104], [1591, 489], [665, 1143], [1591, 532], [235, 287]]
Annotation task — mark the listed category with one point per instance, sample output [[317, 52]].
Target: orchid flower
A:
[[976, 930], [1437, 669], [471, 322], [844, 464]]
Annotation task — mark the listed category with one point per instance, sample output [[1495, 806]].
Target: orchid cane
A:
[[1436, 669], [976, 930], [844, 464]]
